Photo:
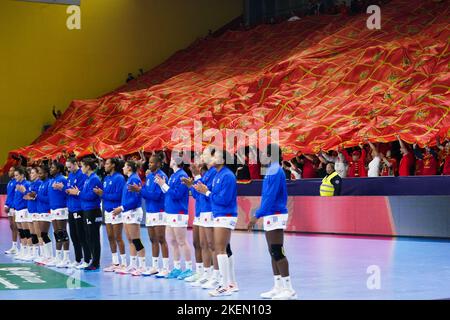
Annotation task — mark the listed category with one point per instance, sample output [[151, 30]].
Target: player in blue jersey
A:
[[273, 211], [9, 209], [111, 194], [60, 214], [223, 197], [155, 217], [176, 206], [132, 215], [21, 212]]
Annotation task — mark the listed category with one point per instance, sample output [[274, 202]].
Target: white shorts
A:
[[176, 220], [133, 216], [206, 219], [36, 217], [197, 222], [11, 212], [225, 222], [60, 214], [155, 219], [275, 221], [45, 217], [111, 219], [21, 215]]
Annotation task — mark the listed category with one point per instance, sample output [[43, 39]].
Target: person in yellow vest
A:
[[331, 184]]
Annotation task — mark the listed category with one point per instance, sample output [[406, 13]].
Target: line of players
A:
[[49, 198]]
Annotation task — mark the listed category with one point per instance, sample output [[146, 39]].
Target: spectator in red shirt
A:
[[427, 162], [356, 163], [407, 161], [309, 169], [388, 165], [445, 156]]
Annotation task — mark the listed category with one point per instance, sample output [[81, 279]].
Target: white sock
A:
[[208, 272], [177, 264], [199, 268], [188, 265], [36, 251], [222, 259], [58, 254], [49, 250], [216, 274], [141, 262], [14, 244], [115, 258], [278, 284], [231, 269], [287, 283], [133, 260], [166, 263], [41, 251], [66, 255], [123, 259], [155, 262]]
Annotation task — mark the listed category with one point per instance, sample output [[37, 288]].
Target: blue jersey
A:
[[131, 200], [10, 190], [274, 192], [89, 199], [112, 191], [224, 194], [19, 202], [43, 205], [202, 202], [177, 197], [152, 193], [76, 179], [33, 187], [57, 198]]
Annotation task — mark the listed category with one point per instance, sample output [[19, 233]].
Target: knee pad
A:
[[27, 233], [229, 252], [34, 239], [63, 235], [21, 233], [45, 237], [56, 234], [138, 244], [277, 252]]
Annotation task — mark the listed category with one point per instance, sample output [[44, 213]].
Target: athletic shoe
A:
[[185, 274], [220, 291], [174, 274], [211, 284], [12, 250], [200, 282], [82, 265], [127, 270], [39, 261], [28, 258], [91, 268], [192, 278], [138, 272], [63, 264], [285, 294], [52, 262], [233, 287], [272, 293], [111, 268], [120, 268], [162, 274], [73, 265], [150, 272], [19, 255]]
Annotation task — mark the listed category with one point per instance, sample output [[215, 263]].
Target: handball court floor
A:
[[322, 267]]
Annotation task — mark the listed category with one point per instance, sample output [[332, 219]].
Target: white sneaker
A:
[[63, 264], [111, 268], [28, 258], [138, 272], [150, 271], [285, 294], [220, 291], [51, 262], [12, 250], [211, 284], [39, 260], [200, 282], [120, 268], [19, 255], [73, 265], [127, 270], [193, 278], [82, 265], [233, 287], [272, 293], [162, 274]]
